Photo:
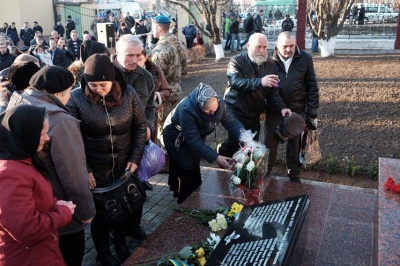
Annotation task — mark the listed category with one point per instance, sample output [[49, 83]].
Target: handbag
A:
[[310, 152], [120, 199]]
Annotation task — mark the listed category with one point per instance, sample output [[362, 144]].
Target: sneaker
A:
[[137, 233]]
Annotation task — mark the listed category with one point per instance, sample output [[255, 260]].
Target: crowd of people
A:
[[73, 132]]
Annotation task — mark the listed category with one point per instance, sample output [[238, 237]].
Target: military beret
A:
[[161, 19]]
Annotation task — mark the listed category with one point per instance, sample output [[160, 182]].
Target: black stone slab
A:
[[263, 234]]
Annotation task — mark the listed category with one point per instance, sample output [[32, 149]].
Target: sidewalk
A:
[[158, 206], [160, 203]]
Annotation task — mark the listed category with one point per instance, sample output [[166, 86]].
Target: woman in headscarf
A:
[[184, 134], [30, 217]]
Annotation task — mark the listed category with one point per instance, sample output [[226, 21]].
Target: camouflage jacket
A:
[[170, 56]]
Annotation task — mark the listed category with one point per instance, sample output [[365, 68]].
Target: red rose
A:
[[389, 183]]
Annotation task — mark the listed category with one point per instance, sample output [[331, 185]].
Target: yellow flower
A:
[[200, 252], [236, 208], [202, 261]]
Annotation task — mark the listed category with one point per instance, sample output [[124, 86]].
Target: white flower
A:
[[250, 166], [214, 225], [240, 157], [222, 221], [238, 167], [214, 240], [235, 179]]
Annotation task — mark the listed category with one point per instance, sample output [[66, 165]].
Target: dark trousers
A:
[[228, 41], [231, 145], [72, 248], [101, 229], [183, 182], [292, 147]]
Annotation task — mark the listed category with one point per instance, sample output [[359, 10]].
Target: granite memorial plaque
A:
[[263, 234]]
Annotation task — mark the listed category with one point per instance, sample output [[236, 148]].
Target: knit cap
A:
[[98, 67]]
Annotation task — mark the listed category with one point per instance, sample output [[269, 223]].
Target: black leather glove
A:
[[311, 123]]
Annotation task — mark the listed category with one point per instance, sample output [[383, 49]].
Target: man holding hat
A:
[[300, 91], [252, 81], [64, 155], [170, 56]]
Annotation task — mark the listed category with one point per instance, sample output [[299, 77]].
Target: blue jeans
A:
[[314, 44], [235, 37], [247, 38]]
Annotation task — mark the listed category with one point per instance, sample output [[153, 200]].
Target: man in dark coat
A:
[[59, 28], [252, 80], [287, 24], [248, 28], [12, 33], [361, 15], [142, 29], [74, 45], [6, 59], [258, 21], [37, 27], [234, 28], [300, 91], [57, 55], [26, 34], [69, 26]]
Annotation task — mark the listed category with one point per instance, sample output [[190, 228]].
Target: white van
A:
[[378, 13]]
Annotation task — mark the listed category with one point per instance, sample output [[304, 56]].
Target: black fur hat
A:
[[290, 127], [90, 47]]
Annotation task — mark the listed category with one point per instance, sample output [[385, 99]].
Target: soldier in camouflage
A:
[[171, 57]]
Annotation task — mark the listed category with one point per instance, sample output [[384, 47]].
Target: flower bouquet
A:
[[194, 255], [217, 219], [248, 182]]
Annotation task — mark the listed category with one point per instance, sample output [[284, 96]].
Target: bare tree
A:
[[208, 14], [328, 21], [397, 42]]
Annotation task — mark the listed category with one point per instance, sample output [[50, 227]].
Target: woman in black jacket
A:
[[114, 133], [185, 131]]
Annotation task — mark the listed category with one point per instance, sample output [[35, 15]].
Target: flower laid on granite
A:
[[217, 219], [236, 208], [391, 186], [196, 255], [218, 223]]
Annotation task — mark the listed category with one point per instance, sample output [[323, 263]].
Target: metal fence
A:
[[351, 31]]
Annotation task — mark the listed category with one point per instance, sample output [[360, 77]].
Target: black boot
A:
[[107, 260], [122, 249]]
